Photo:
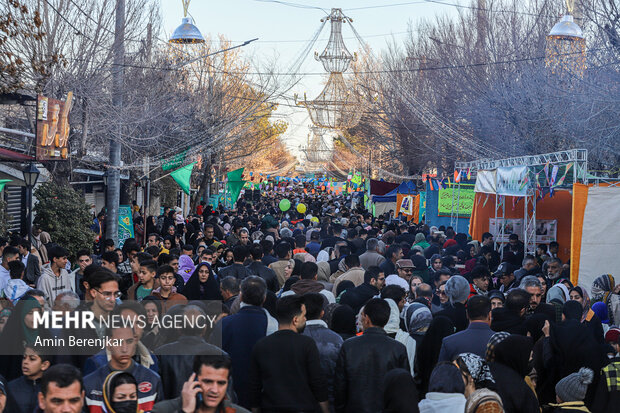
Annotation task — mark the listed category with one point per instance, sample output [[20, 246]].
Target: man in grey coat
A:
[[371, 258]]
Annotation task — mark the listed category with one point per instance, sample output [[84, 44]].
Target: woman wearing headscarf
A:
[[430, 345], [399, 392], [19, 330], [475, 371], [392, 328], [604, 289], [202, 285], [420, 240], [588, 317], [493, 342], [120, 393], [510, 368]]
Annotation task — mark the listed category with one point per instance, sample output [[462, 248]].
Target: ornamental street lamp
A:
[[31, 176], [186, 32]]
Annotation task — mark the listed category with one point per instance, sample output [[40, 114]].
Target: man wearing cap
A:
[[506, 277], [404, 268]]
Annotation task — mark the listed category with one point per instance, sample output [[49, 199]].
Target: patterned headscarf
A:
[[602, 286], [418, 318], [494, 341], [477, 368]]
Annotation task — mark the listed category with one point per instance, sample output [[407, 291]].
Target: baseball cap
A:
[[505, 268]]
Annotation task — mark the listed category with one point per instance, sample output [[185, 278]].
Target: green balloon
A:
[[285, 205]]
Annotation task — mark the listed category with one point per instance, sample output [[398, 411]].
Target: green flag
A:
[[235, 175], [234, 189], [183, 176], [4, 182], [175, 161]]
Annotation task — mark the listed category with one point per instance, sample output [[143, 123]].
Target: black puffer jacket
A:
[[361, 367], [508, 321]]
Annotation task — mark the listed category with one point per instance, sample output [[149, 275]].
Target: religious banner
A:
[[53, 128], [512, 181], [451, 199], [175, 162], [406, 205], [125, 224], [422, 207], [485, 182], [183, 176]]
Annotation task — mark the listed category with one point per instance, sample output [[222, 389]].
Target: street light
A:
[[31, 176]]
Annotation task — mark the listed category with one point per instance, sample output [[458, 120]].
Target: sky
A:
[[284, 29]]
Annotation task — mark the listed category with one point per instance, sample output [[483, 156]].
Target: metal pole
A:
[[29, 215], [118, 73]]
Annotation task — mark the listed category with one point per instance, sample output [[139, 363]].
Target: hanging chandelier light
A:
[[337, 106], [186, 33]]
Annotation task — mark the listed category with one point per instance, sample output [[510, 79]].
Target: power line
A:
[[296, 5], [78, 32]]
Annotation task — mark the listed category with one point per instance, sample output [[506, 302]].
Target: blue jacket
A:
[[236, 335], [473, 339], [24, 391], [150, 389]]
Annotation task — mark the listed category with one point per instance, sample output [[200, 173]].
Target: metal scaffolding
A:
[[579, 159]]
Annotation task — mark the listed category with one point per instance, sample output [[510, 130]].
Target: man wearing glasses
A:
[[103, 290]]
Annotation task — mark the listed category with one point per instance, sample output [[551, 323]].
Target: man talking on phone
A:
[[206, 389]]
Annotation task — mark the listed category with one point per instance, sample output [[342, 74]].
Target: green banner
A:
[[465, 202], [175, 162], [422, 206], [125, 224], [183, 176]]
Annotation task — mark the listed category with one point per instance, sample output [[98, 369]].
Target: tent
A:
[[432, 212]]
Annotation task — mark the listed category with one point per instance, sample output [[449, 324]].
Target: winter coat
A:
[[329, 344], [176, 405]]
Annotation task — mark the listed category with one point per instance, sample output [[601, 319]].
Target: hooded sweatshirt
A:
[[442, 402], [15, 289], [53, 285]]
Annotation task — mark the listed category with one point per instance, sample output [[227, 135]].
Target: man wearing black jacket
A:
[[364, 361], [374, 280], [257, 267], [297, 386]]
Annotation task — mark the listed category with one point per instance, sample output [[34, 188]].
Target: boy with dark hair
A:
[[166, 291], [147, 283], [109, 260], [55, 278], [25, 388]]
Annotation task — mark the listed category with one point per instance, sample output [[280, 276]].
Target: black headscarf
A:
[[431, 344], [400, 394], [514, 352], [195, 290], [151, 227]]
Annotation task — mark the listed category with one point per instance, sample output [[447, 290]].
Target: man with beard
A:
[[270, 380]]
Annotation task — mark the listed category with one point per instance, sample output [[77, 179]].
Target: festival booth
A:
[[595, 208], [384, 203], [530, 196], [449, 206]]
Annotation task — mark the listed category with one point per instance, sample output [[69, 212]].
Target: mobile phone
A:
[[199, 398]]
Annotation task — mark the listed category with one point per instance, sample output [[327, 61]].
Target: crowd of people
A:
[[329, 310]]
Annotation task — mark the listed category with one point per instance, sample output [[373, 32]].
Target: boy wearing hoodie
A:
[[16, 287], [26, 388], [55, 278]]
